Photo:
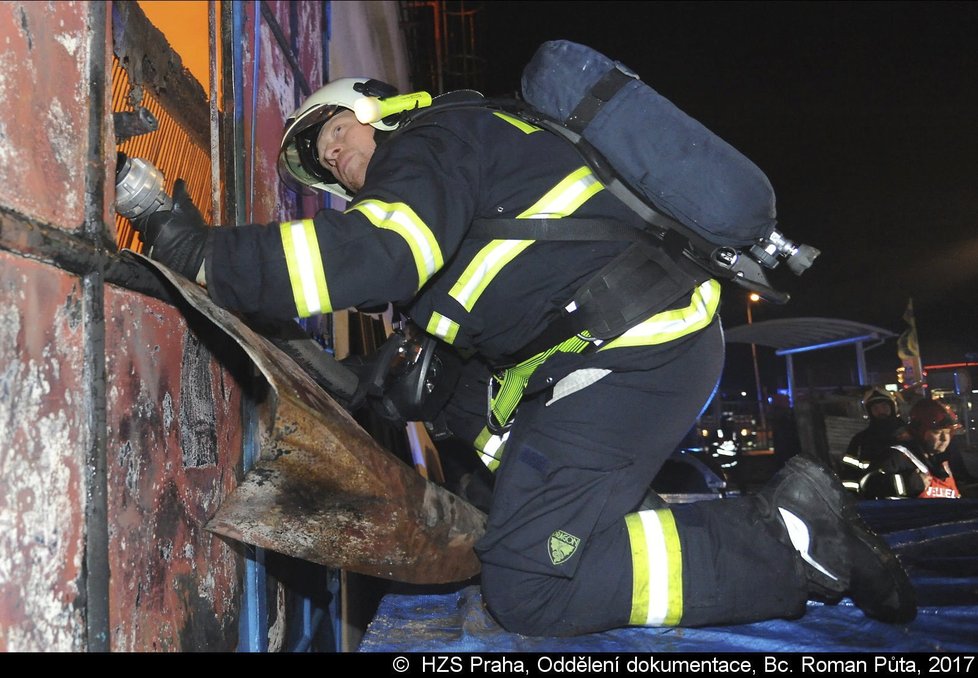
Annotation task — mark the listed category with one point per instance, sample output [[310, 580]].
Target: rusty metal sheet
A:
[[43, 442], [173, 451], [277, 99], [44, 109], [324, 491]]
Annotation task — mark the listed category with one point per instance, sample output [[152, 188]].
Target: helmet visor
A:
[[305, 146]]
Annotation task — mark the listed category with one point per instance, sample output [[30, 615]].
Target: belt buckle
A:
[[492, 424]]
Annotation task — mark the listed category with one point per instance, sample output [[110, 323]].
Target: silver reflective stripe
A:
[[921, 466], [488, 452], [305, 266], [442, 327], [852, 461], [576, 381], [401, 219], [801, 539], [670, 325]]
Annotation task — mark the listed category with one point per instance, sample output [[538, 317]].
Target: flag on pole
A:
[[908, 348]]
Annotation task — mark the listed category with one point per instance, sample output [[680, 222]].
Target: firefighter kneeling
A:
[[577, 434]]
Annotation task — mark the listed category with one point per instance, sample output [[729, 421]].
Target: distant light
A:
[[754, 296], [705, 432], [743, 394], [745, 432]]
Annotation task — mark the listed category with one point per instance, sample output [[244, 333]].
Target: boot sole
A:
[[900, 605]]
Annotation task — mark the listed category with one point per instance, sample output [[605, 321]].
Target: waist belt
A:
[[512, 382], [506, 387]]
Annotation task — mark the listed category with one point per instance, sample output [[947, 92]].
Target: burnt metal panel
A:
[[326, 492], [277, 97], [152, 64], [44, 437], [174, 451], [45, 93]]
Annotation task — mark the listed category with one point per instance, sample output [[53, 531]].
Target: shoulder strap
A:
[[640, 282], [913, 458], [565, 228], [600, 94]]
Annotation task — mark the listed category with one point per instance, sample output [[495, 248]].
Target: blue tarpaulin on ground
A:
[[937, 540]]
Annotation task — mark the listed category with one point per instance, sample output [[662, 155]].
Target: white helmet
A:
[[297, 159]]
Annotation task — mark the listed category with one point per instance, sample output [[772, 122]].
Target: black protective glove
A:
[[176, 238]]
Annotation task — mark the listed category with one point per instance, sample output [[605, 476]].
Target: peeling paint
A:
[[167, 410], [44, 110], [174, 586], [42, 443], [71, 43], [198, 435], [64, 144]]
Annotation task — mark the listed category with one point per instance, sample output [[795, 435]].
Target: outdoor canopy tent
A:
[[789, 336]]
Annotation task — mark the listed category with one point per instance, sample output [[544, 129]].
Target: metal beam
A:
[[93, 309], [828, 344], [77, 254]]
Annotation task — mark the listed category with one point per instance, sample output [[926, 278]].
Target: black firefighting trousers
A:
[[556, 555]]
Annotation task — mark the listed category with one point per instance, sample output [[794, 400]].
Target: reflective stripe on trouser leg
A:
[[657, 569]]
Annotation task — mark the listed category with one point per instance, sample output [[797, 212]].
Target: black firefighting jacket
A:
[[404, 239]]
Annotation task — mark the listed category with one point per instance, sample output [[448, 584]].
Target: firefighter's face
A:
[[880, 410], [344, 147], [937, 440]]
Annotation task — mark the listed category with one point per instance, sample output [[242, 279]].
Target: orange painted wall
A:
[[184, 22]]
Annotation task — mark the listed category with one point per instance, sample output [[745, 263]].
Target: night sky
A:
[[864, 116]]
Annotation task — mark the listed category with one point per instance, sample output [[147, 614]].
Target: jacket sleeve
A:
[[894, 476], [410, 217], [851, 467]]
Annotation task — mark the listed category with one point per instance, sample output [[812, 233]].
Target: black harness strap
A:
[[598, 96], [640, 282], [566, 228]]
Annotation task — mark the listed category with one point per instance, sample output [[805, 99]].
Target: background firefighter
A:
[[920, 466], [868, 447]]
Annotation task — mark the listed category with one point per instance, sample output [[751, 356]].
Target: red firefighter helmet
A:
[[932, 415]]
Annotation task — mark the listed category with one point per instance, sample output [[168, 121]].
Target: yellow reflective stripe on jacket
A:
[[560, 201], [401, 219], [490, 448], [442, 327], [484, 267], [657, 569], [305, 264], [670, 325], [521, 125], [564, 198]]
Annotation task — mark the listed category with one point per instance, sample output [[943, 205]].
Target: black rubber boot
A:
[[841, 554]]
